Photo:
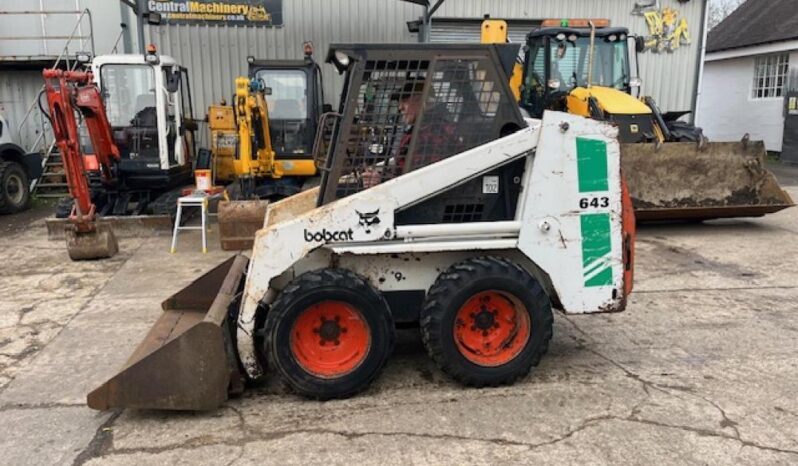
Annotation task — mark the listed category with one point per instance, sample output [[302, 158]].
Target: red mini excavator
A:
[[70, 93]]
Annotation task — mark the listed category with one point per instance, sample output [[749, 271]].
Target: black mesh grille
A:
[[404, 113], [463, 213], [411, 113]]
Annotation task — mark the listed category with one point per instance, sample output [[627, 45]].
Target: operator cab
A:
[[558, 76], [148, 102], [295, 103]]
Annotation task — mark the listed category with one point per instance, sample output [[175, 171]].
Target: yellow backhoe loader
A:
[[674, 173]]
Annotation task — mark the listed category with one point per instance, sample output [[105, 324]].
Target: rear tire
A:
[[14, 188], [328, 334], [486, 322]]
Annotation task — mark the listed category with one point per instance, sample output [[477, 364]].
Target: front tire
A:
[[328, 334], [486, 322], [14, 188]]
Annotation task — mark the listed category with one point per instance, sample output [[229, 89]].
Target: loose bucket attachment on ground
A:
[[186, 361], [99, 243], [238, 223], [680, 181]]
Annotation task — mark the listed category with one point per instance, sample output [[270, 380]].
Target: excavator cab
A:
[[295, 101], [148, 102]]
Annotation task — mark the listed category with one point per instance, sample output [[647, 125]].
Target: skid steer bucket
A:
[[680, 181], [186, 361], [99, 243]]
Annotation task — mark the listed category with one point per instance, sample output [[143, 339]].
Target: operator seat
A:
[[141, 137]]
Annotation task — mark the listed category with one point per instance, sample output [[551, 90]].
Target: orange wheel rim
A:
[[491, 328], [330, 339]]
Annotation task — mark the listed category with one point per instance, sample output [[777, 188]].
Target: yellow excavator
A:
[[673, 171], [262, 143]]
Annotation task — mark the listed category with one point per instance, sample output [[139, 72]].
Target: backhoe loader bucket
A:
[[99, 243], [680, 181], [186, 361]]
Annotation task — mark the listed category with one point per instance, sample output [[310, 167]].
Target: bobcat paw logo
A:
[[368, 219]]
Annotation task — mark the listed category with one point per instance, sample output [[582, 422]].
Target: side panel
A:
[[367, 216], [576, 235]]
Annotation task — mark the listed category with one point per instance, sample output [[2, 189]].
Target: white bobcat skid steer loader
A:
[[439, 205]]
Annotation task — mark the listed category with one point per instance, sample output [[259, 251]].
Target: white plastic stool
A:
[[194, 200]]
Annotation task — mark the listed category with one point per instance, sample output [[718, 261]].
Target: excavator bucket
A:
[[186, 361], [682, 181], [238, 223], [240, 220], [99, 243]]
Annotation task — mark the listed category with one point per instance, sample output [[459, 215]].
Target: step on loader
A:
[[439, 205]]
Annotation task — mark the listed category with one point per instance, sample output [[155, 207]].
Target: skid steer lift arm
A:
[[69, 92]]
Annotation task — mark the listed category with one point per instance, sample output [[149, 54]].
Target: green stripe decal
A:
[[596, 250], [591, 155]]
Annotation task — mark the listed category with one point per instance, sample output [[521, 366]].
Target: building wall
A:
[[726, 110], [216, 55], [18, 91], [20, 84]]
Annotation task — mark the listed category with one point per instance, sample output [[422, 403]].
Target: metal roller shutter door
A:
[[468, 30]]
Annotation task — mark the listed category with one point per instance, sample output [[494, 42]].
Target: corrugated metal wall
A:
[[18, 89], [215, 55]]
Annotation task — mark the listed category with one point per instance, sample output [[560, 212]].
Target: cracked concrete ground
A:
[[701, 368]]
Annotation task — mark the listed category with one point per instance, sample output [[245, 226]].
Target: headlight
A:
[[554, 83], [635, 82], [341, 61]]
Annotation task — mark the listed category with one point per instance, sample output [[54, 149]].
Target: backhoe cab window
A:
[[288, 99], [570, 63]]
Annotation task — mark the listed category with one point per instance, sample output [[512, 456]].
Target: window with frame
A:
[[770, 76]]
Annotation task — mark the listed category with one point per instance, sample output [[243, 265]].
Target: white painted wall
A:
[[726, 110]]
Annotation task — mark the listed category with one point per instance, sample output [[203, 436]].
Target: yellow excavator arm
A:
[[255, 154]]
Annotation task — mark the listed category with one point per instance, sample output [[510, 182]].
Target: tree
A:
[[720, 9]]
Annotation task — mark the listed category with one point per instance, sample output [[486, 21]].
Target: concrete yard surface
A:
[[702, 368]]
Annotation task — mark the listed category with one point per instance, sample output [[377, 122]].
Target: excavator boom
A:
[[69, 92]]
